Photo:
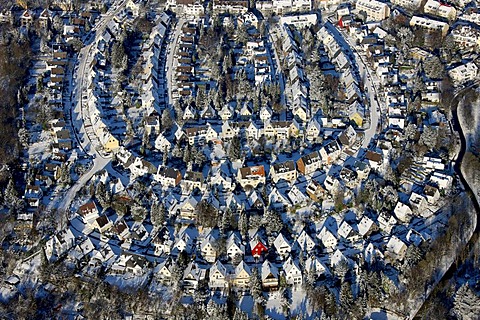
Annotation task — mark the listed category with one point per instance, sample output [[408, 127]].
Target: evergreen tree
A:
[[235, 150], [157, 214]]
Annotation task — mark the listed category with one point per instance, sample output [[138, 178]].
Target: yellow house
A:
[[357, 118], [111, 143], [241, 277]]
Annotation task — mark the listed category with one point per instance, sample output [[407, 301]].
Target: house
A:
[[59, 244], [347, 137], [207, 247], [192, 275], [168, 177], [255, 202], [162, 143], [374, 159], [265, 113], [346, 231], [336, 258], [282, 245], [88, 211], [304, 242], [463, 73], [375, 10], [431, 193], [297, 194], [314, 129], [251, 177], [191, 181], [258, 247], [218, 276], [102, 223], [293, 273], [429, 24], [366, 226], [26, 19], [44, 19], [309, 163], [163, 271], [315, 190], [188, 208], [408, 4], [284, 170], [226, 113], [241, 276], [330, 152], [419, 204], [234, 246], [314, 265], [402, 212], [395, 249], [466, 37], [446, 11], [269, 276], [328, 239], [33, 196], [386, 222], [232, 6], [152, 125], [130, 263]]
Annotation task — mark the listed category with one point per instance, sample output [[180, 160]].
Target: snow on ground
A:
[[127, 281], [299, 303], [274, 307], [7, 293]]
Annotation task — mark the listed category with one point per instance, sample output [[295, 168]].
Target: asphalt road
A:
[[88, 142]]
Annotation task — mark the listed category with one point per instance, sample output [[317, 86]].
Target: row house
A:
[[463, 73], [440, 9], [232, 6], [251, 176], [375, 10], [429, 24], [168, 177], [466, 37], [285, 170], [309, 163]]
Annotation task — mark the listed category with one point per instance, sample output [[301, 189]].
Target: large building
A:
[[429, 24], [375, 10], [408, 4], [464, 72], [232, 6], [440, 9]]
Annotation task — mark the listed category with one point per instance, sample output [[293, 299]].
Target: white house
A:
[[218, 276], [282, 245], [293, 273], [464, 72]]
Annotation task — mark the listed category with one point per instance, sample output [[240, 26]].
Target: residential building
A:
[[309, 163], [375, 10], [284, 170], [464, 72], [282, 245], [408, 4], [429, 24], [466, 36], [168, 177], [293, 273], [251, 176], [218, 276], [439, 9], [301, 20], [232, 6], [269, 276], [241, 276]]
